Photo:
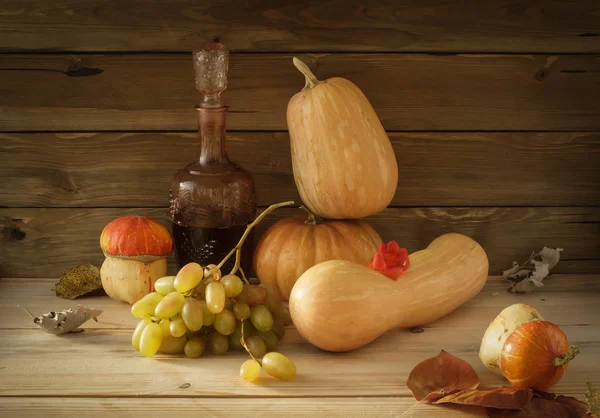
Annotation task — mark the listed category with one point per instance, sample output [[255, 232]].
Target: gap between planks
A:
[[388, 407]]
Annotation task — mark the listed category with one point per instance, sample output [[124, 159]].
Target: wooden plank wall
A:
[[493, 109]]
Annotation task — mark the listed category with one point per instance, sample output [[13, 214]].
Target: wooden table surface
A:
[[96, 373]]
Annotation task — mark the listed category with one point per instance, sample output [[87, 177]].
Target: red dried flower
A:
[[391, 260]]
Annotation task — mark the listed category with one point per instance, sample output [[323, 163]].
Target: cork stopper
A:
[[211, 63]]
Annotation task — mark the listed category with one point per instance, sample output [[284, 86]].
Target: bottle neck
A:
[[211, 134]]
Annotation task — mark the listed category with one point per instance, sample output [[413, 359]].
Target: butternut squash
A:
[[343, 161], [340, 306]]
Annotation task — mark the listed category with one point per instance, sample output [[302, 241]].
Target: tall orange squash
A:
[[343, 161]]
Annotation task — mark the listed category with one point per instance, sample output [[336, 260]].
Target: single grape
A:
[[233, 285], [225, 322], [261, 318], [250, 370], [218, 343], [279, 366], [208, 318], [215, 297], [241, 310], [170, 305], [235, 339], [256, 346], [273, 302], [177, 327], [285, 316], [252, 295], [146, 305], [188, 277], [196, 334], [151, 340], [137, 333], [165, 326], [172, 345], [216, 275], [278, 329], [164, 285], [194, 347], [192, 314], [269, 338]]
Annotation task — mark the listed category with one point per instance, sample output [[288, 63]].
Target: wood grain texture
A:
[[101, 363], [435, 169], [381, 407], [42, 242], [408, 92], [558, 290], [287, 25]]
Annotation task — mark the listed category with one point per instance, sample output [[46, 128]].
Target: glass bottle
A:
[[212, 199]]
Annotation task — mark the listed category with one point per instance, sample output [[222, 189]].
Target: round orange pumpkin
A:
[[536, 355], [291, 246]]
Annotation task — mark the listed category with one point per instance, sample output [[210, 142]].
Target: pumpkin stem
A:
[[567, 357], [312, 218], [311, 80]]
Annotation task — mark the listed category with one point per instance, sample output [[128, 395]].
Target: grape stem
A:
[[243, 275], [243, 341], [238, 248], [237, 266]]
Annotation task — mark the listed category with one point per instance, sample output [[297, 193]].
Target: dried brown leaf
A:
[[529, 276], [442, 375], [546, 405], [78, 281], [505, 397]]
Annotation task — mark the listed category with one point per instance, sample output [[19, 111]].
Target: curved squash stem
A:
[[312, 218], [238, 248], [311, 80], [567, 357]]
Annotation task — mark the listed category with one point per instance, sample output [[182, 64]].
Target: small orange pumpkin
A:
[[291, 246], [536, 355], [136, 250]]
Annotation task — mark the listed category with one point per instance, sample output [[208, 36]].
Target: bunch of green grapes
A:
[[199, 309]]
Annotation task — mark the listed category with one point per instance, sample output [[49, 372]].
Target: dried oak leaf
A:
[[546, 405], [78, 281], [529, 276], [550, 256], [505, 397], [442, 375]]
